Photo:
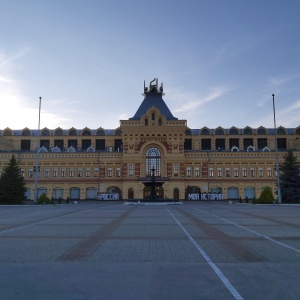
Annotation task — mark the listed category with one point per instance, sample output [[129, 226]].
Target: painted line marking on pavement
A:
[[223, 278], [12, 229], [255, 232]]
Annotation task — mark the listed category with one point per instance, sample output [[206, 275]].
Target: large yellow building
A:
[[81, 163]]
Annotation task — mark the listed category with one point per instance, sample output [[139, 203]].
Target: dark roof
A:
[[153, 99]]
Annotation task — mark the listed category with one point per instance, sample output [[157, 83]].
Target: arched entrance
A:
[[130, 194], [176, 194], [158, 189]]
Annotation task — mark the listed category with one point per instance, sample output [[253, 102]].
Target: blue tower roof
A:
[[153, 97]]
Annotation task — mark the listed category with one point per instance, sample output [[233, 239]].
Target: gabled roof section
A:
[[153, 97]]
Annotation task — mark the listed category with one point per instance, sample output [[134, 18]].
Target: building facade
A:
[[82, 163]]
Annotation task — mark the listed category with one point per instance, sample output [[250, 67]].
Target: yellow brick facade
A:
[[80, 163]]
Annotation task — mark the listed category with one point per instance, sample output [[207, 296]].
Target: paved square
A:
[[108, 250]]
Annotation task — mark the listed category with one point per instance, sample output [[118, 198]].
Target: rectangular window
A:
[[100, 144], [118, 145], [30, 173], [71, 172], [252, 172], [47, 172], [261, 172], [87, 172], [79, 172], [109, 172], [188, 172], [220, 172], [59, 144], [175, 169], [234, 143], [118, 172], [206, 144], [86, 143], [244, 172], [72, 143], [96, 172], [130, 170], [25, 145], [269, 172], [247, 142], [63, 172], [262, 143], [281, 143], [227, 172], [22, 172], [45, 143], [197, 172], [188, 144], [220, 144], [236, 172], [211, 172], [55, 171]]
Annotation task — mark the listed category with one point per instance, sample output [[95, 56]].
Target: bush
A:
[[266, 197], [44, 199]]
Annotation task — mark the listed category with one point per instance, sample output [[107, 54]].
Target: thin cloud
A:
[[195, 103]]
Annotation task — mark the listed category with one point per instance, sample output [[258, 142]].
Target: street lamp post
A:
[[37, 156], [276, 148]]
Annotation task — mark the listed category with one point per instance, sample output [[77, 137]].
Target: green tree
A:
[[12, 183], [290, 178], [266, 196]]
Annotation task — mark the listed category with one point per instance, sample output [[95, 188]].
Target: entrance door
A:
[[74, 193], [233, 193], [159, 192], [57, 193]]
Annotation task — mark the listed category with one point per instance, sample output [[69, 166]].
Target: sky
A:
[[220, 61]]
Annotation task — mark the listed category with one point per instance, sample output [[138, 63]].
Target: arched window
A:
[[153, 116], [146, 122], [205, 131], [86, 132], [233, 131], [281, 131], [159, 122], [100, 132], [26, 132], [58, 132], [7, 132], [248, 131], [45, 132], [219, 131], [153, 162], [261, 130], [72, 132]]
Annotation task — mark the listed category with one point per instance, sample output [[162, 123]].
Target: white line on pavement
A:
[[223, 278], [255, 232]]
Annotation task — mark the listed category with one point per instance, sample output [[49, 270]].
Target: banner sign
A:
[[205, 196], [108, 196]]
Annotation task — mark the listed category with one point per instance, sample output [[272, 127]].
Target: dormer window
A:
[[160, 122], [146, 122], [153, 116]]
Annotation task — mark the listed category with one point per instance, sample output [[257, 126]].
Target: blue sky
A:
[[220, 61]]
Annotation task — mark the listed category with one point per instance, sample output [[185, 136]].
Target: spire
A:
[[153, 97]]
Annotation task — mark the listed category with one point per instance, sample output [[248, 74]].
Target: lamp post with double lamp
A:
[[37, 156], [276, 148]]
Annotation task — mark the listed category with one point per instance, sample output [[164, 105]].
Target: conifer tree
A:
[[290, 178], [12, 183]]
